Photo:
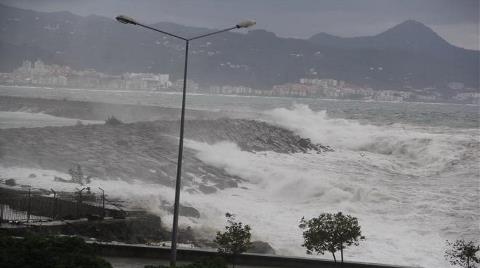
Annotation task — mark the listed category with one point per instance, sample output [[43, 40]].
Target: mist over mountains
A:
[[409, 55]]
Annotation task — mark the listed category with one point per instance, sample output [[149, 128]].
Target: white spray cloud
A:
[[409, 148], [283, 188]]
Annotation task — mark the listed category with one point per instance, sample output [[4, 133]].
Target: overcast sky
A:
[[455, 20]]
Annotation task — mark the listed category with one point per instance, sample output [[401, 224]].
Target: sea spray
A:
[[283, 188], [412, 149]]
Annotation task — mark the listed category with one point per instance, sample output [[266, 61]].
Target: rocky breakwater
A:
[[144, 151], [96, 110], [250, 135]]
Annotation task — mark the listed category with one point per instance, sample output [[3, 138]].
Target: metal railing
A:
[[29, 206]]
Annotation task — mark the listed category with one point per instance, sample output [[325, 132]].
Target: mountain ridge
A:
[[410, 54], [409, 34]]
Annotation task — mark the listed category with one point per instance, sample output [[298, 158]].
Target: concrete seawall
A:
[[257, 260]]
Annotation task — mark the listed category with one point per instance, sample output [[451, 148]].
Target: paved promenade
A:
[[123, 255], [119, 262]]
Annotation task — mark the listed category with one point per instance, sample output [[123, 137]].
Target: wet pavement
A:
[[118, 262]]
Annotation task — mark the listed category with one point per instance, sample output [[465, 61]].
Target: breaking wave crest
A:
[[412, 146]]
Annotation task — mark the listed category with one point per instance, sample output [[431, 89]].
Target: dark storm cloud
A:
[[456, 20]]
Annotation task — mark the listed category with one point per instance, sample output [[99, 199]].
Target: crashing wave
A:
[[410, 147], [145, 150]]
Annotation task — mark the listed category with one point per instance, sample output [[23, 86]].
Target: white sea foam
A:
[[411, 149], [27, 119], [286, 187]]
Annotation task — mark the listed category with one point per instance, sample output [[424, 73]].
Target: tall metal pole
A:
[[176, 207], [54, 210], [103, 202], [79, 199], [29, 204], [127, 20]]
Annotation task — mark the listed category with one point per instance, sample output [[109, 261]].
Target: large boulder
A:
[[261, 247]]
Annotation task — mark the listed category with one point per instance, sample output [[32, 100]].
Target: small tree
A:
[[236, 238], [77, 175], [462, 253], [330, 232]]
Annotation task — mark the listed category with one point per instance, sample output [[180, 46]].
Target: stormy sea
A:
[[408, 171]]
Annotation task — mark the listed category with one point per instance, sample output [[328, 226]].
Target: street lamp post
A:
[[79, 200], [54, 211], [103, 202], [128, 20]]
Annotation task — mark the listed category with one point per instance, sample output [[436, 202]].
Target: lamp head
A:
[[126, 20], [246, 24]]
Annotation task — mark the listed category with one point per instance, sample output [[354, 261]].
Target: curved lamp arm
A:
[[128, 20]]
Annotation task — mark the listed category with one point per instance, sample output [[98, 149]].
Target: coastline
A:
[[231, 95]]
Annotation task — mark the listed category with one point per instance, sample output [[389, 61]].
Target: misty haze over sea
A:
[[407, 166]]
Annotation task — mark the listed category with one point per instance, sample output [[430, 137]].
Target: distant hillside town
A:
[[40, 74]]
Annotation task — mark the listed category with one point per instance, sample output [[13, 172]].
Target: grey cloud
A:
[[456, 20]]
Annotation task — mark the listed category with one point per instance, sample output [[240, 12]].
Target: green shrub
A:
[[463, 253], [48, 252]]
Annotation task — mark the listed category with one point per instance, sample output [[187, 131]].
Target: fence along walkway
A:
[[28, 206]]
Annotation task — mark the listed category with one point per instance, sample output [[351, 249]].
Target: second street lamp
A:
[[128, 20]]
